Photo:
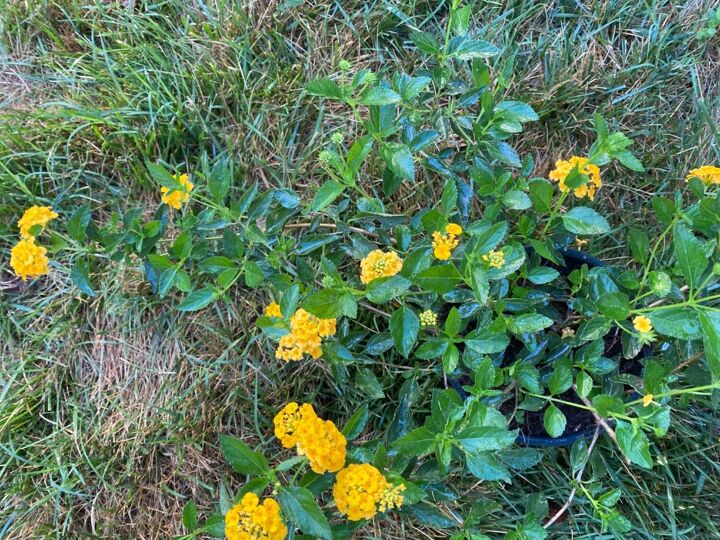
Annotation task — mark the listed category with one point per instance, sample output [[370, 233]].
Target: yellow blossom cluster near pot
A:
[[360, 491], [379, 264], [305, 337], [564, 167], [27, 258], [428, 318], [35, 215], [494, 259], [707, 173], [443, 244], [318, 439], [175, 198], [252, 520]]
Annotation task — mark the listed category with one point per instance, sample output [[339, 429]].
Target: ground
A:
[[110, 407]]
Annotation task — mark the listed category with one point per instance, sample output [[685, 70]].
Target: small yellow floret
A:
[[494, 259], [564, 167], [35, 215], [379, 264], [642, 324], [28, 260], [709, 174], [360, 491], [273, 310], [177, 197], [250, 520], [428, 318]]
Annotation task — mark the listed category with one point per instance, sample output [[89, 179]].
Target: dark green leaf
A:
[[299, 506], [327, 193], [241, 458], [382, 290], [554, 421], [197, 300], [404, 328], [585, 221], [440, 279]]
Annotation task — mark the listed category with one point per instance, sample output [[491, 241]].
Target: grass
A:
[[110, 407]]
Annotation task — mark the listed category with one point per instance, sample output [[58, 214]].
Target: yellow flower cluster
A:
[[318, 439], [379, 264], [273, 310], [252, 520], [428, 318], [707, 173], [175, 198], [564, 167], [27, 259], [642, 324], [360, 491], [305, 337], [443, 244], [35, 215], [494, 259]]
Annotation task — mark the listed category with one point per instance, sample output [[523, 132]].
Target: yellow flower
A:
[[273, 310], [428, 318], [28, 259], [305, 337], [564, 167], [287, 422], [647, 399], [323, 444], [250, 520], [360, 491], [580, 243], [642, 324], [494, 259], [453, 228], [35, 215], [379, 264], [443, 244], [707, 173], [177, 197], [567, 333]]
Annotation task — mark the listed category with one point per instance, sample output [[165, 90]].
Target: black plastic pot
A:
[[574, 259]]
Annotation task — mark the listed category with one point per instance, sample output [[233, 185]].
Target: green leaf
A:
[[452, 323], [399, 160], [615, 305], [254, 276], [440, 278], [639, 244], [299, 506], [451, 358], [541, 275], [219, 181], [78, 222], [554, 421], [584, 384], [327, 193], [541, 194], [357, 422], [486, 438], [690, 254], [197, 300], [416, 443], [529, 323], [367, 382], [467, 49], [216, 264], [517, 110], [379, 95], [384, 289], [487, 341], [358, 152], [710, 322], [677, 322], [634, 444], [162, 176], [324, 88], [585, 221], [404, 328], [325, 303], [560, 380], [189, 516], [80, 278], [486, 466], [241, 458], [605, 404], [516, 200], [425, 42], [433, 348]]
